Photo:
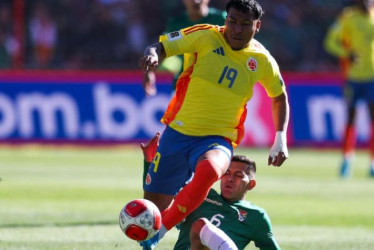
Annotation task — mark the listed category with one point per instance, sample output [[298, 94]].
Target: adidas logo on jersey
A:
[[219, 51]]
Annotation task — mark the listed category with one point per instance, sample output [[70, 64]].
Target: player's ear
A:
[[258, 26], [251, 184]]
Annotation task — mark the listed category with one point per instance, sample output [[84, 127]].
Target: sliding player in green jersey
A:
[[351, 39], [226, 220]]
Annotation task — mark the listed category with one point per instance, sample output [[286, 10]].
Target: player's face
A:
[[240, 28], [235, 182]]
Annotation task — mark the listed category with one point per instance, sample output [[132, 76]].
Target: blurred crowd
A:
[[112, 34]]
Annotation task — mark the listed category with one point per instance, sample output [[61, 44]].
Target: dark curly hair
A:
[[247, 6], [244, 159]]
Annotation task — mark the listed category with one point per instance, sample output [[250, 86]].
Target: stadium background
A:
[[70, 72], [111, 34]]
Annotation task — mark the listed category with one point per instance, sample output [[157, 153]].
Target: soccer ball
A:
[[140, 219]]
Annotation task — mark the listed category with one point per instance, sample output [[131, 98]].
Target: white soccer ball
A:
[[140, 219]]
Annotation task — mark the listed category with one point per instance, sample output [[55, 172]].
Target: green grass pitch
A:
[[70, 198]]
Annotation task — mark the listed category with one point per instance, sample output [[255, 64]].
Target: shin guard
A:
[[192, 195]]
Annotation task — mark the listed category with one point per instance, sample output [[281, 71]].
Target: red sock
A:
[[372, 141], [192, 195], [349, 140]]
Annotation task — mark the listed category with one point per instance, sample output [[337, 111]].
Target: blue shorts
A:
[[176, 158], [356, 91]]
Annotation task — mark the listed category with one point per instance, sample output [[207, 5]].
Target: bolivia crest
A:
[[242, 215]]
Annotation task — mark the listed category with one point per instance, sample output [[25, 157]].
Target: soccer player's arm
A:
[[275, 87], [174, 43], [185, 41], [172, 64], [264, 238], [153, 54], [335, 41]]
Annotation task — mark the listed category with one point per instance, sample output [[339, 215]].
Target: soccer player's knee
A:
[[198, 225], [195, 233], [209, 170], [215, 238], [218, 160]]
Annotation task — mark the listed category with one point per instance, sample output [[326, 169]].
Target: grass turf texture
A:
[[70, 198]]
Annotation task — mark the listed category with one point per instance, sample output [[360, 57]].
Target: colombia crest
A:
[[148, 179], [252, 64]]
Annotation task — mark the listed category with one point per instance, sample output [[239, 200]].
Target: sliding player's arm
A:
[[264, 239]]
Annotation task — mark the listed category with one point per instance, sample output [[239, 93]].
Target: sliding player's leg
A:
[[204, 235]]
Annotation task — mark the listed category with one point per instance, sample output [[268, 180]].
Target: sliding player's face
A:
[[235, 182], [240, 28]]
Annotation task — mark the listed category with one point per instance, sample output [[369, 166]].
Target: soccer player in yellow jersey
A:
[[351, 38], [205, 118]]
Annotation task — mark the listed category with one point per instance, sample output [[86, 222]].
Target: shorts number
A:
[[230, 74], [215, 220], [156, 161]]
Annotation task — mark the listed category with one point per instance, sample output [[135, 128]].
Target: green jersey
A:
[[242, 221], [215, 16]]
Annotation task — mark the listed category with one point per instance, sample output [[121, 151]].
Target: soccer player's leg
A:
[[371, 143], [370, 102], [371, 167], [149, 151], [167, 174], [168, 171], [349, 139], [367, 94], [211, 165], [204, 235]]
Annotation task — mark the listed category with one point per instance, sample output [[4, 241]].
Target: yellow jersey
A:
[[217, 82], [353, 33]]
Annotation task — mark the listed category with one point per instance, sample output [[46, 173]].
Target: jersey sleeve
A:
[[264, 239], [272, 79], [188, 40]]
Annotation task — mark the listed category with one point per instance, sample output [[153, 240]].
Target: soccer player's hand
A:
[[278, 152], [149, 83], [150, 148], [148, 62]]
